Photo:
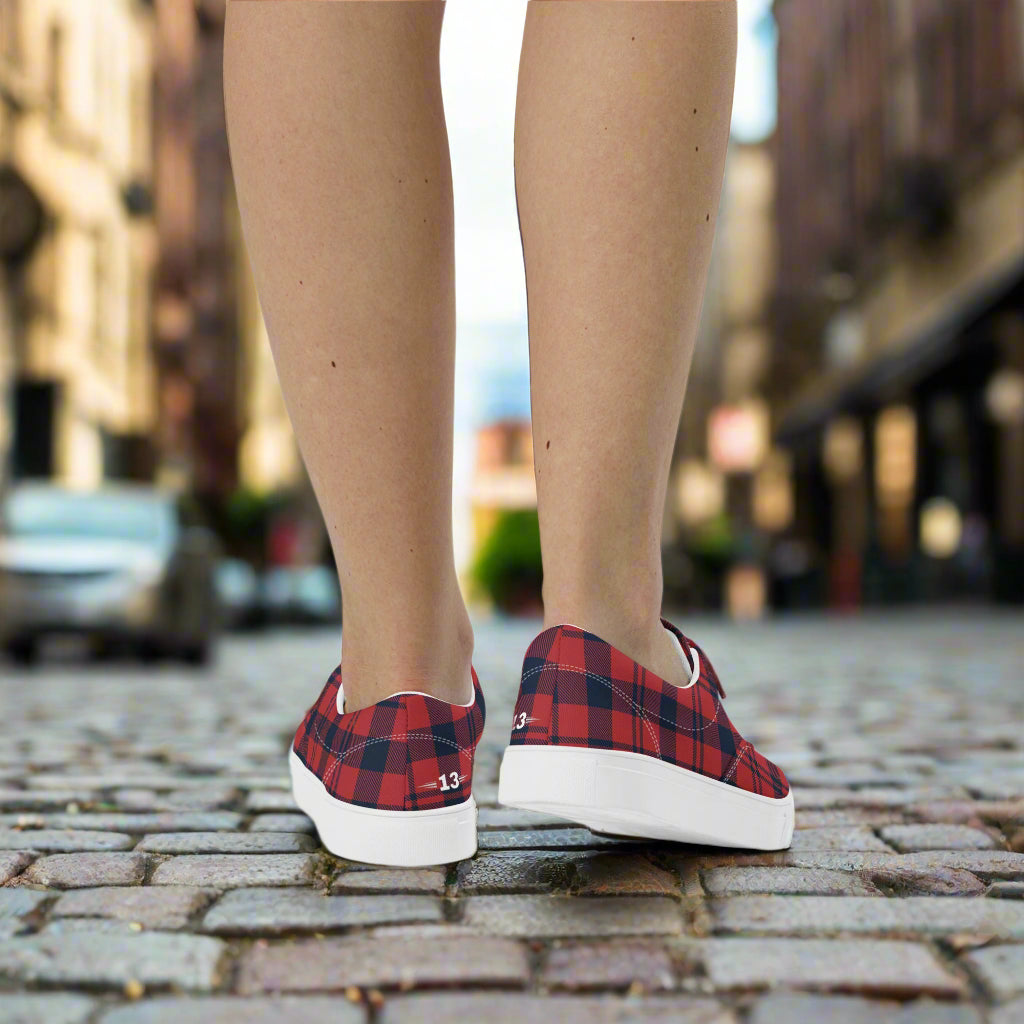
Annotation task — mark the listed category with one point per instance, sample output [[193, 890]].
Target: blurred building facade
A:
[[196, 322], [131, 340], [77, 241], [897, 374]]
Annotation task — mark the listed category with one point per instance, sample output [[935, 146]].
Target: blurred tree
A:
[[508, 567]]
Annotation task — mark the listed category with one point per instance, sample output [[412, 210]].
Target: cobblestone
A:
[[552, 917], [513, 1009], [921, 915], [842, 838], [909, 838], [170, 821], [622, 875], [41, 800], [281, 823], [227, 842], [623, 964], [384, 962], [892, 968], [12, 863], [910, 881], [165, 908], [16, 904], [1010, 1013], [802, 1008], [546, 839], [271, 800], [110, 960], [426, 880], [78, 870], [228, 870], [903, 883], [56, 839], [522, 871], [279, 911], [232, 1010], [1007, 890], [33, 1008], [983, 863], [1000, 968], [515, 817], [803, 881]]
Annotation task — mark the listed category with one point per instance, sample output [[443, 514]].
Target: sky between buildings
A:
[[480, 48]]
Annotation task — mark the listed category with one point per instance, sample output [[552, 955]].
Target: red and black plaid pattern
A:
[[409, 752], [579, 691]]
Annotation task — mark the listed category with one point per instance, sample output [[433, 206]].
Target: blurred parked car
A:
[[301, 594], [238, 592], [124, 564]]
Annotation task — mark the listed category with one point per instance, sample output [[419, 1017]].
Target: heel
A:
[[392, 838]]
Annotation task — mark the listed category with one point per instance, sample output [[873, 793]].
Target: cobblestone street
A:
[[155, 870]]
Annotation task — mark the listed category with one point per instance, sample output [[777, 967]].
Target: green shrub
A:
[[508, 567]]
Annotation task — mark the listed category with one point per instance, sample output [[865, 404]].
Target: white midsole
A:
[[631, 794], [441, 835]]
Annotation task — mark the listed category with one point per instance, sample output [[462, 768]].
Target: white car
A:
[[123, 564]]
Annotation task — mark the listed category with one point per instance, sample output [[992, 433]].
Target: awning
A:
[[899, 367]]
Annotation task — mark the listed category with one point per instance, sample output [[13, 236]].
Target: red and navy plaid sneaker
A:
[[390, 783], [602, 741]]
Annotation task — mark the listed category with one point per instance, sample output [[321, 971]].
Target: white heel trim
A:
[[441, 835]]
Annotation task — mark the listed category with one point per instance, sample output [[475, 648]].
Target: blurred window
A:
[[54, 513]]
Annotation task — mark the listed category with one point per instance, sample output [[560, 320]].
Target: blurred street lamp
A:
[[843, 448], [941, 528], [699, 492], [738, 435], [895, 455], [1004, 397]]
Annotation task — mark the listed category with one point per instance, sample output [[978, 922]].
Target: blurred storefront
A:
[[898, 316], [77, 242]]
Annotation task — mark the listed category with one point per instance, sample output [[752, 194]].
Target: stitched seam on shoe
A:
[[625, 696], [317, 726], [644, 713], [340, 757], [744, 747]]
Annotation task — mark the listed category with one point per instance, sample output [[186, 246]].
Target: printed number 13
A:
[[446, 785], [520, 721]]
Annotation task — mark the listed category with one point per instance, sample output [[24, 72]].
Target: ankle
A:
[[643, 638], [434, 661], [635, 624]]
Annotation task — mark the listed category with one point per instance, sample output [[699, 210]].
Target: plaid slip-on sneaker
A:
[[602, 741], [391, 783]]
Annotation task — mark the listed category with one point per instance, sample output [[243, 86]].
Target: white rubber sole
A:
[[635, 795], [404, 839]]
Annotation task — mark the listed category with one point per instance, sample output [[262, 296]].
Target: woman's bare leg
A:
[[340, 156], [622, 122]]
